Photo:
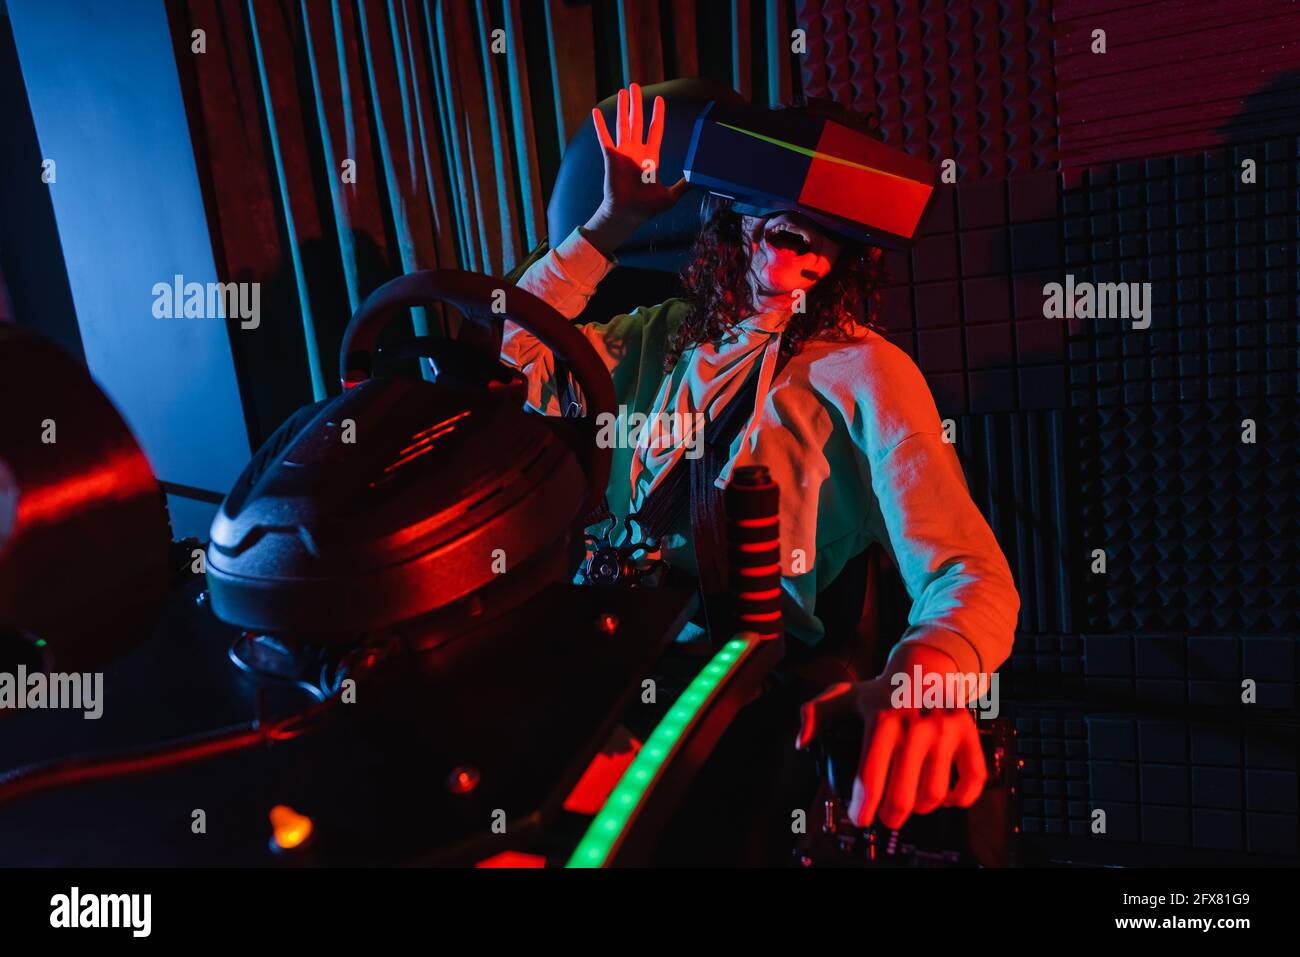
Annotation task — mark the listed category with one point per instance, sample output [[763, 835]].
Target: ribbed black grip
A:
[[752, 503]]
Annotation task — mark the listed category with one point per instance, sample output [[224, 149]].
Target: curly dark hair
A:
[[717, 289]]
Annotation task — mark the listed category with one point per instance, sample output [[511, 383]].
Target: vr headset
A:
[[851, 184]]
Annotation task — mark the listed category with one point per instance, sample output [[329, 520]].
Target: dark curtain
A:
[[453, 114]]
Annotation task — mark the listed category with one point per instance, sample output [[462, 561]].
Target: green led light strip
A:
[[607, 829], [808, 151]]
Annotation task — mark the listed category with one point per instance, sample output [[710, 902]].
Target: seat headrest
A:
[[663, 242]]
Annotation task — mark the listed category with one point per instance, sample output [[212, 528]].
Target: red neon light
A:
[[122, 477], [512, 859], [602, 774]]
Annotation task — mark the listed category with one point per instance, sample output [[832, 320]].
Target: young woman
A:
[[848, 430]]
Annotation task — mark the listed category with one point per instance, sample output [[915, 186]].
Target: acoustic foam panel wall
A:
[[967, 301], [1199, 529], [1220, 255], [971, 81], [1014, 465], [1177, 75], [1227, 786], [1223, 786], [1054, 775], [1044, 667]]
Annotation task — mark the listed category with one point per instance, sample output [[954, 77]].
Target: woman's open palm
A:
[[633, 191]]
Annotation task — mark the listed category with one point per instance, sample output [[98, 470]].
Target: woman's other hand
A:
[[633, 191], [913, 760]]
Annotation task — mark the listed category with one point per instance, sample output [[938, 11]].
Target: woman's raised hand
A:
[[633, 190]]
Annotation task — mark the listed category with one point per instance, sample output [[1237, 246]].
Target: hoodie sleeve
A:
[[565, 278], [964, 601]]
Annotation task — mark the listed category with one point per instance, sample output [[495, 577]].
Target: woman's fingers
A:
[[936, 779], [621, 119], [635, 121], [630, 131], [836, 701], [972, 772], [655, 135], [880, 737], [602, 131], [905, 771]]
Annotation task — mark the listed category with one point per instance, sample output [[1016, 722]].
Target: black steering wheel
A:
[[474, 295]]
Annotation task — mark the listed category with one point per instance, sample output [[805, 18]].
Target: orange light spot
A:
[[463, 780], [289, 828]]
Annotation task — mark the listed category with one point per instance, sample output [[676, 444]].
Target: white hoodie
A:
[[848, 430]]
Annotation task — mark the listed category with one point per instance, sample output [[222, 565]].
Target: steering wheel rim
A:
[[473, 295]]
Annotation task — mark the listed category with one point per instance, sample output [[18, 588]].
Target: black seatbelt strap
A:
[[691, 487], [666, 505]]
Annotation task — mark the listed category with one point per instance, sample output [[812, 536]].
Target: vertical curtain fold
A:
[[685, 42], [344, 142], [571, 49], [389, 101], [643, 59], [740, 54], [525, 139], [337, 83], [301, 222], [777, 42], [498, 136]]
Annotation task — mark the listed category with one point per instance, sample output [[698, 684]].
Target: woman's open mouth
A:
[[780, 234]]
